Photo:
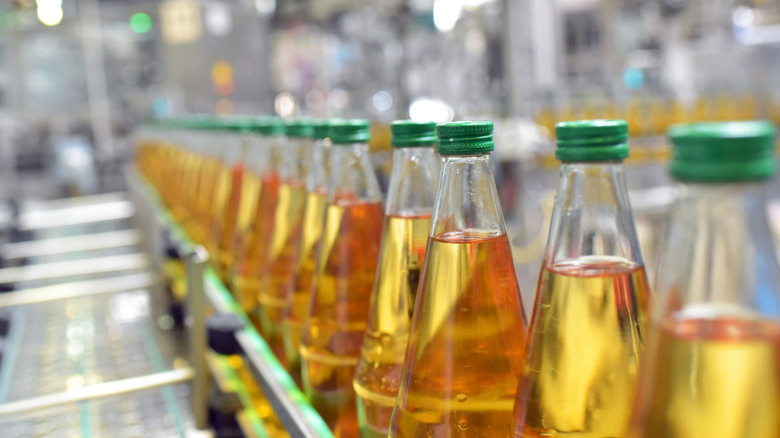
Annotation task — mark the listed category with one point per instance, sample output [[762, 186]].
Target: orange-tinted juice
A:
[[247, 279], [466, 347], [333, 333], [582, 358], [306, 260], [225, 225], [276, 280]]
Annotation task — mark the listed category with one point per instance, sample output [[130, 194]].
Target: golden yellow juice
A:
[[378, 375], [303, 273], [333, 333], [711, 378], [276, 280], [582, 358]]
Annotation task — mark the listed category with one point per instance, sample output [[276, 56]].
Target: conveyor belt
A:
[[89, 315]]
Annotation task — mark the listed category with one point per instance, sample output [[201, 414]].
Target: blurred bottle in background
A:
[[408, 212], [712, 363], [297, 305], [276, 276], [344, 278]]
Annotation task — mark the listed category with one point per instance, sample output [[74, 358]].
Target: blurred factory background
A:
[[77, 76]]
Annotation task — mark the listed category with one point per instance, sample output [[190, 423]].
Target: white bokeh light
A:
[[446, 14]]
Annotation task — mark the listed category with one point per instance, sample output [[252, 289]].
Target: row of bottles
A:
[[404, 317], [650, 115]]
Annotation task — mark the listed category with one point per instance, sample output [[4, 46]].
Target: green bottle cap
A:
[[321, 128], [350, 131], [268, 125], [300, 128], [236, 123], [592, 140], [723, 152], [407, 133], [465, 138]]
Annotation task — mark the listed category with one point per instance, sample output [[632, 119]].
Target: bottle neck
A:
[[319, 175], [592, 215], [468, 198], [719, 253], [265, 155], [412, 188], [353, 177], [297, 159]]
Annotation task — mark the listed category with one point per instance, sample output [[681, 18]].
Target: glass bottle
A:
[[712, 364], [588, 324], [276, 276], [411, 194], [344, 279], [253, 248], [468, 329], [227, 200], [297, 306]]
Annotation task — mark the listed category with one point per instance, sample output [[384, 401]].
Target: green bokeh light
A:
[[141, 23]]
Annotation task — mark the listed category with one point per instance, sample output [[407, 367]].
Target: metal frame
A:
[[64, 245], [98, 390], [78, 289], [73, 268], [197, 259]]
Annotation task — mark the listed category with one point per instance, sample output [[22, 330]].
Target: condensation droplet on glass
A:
[[462, 397]]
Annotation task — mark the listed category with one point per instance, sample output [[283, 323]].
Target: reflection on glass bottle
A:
[[276, 275], [254, 251], [712, 364], [588, 324], [468, 330], [344, 278], [297, 305], [408, 214]]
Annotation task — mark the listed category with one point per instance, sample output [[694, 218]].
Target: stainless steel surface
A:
[[63, 245], [98, 390], [78, 289], [74, 268], [76, 215], [196, 331], [91, 350], [77, 201]]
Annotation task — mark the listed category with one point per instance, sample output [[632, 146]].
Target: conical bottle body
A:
[[276, 275], [712, 366], [297, 305], [344, 278], [588, 325], [408, 214], [468, 330]]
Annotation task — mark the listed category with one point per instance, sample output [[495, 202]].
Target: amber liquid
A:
[[378, 375], [276, 280], [583, 350], [247, 280], [466, 346], [297, 306], [225, 226], [333, 333], [711, 378]]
